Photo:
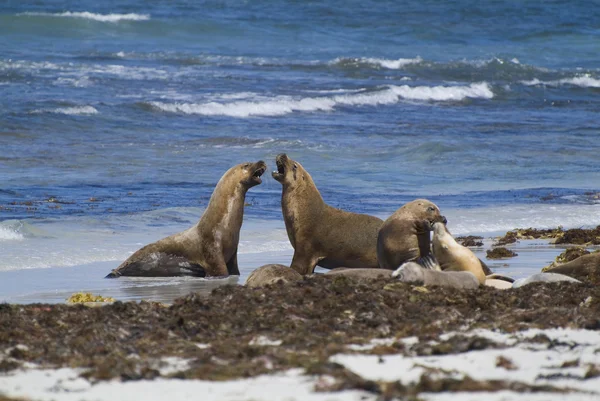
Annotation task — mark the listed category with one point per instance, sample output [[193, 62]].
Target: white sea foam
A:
[[82, 82], [282, 105], [121, 71], [79, 74], [72, 111], [93, 16], [393, 64], [480, 90], [505, 218], [29, 65], [583, 81], [9, 234]]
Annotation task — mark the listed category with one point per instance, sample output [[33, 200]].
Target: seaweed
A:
[[470, 240], [500, 253]]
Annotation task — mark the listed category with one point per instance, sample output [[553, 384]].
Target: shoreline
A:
[[55, 285]]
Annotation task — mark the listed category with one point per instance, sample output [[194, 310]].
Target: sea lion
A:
[[452, 256], [271, 274], [584, 268], [360, 273], [413, 273], [499, 281], [404, 236], [320, 234], [499, 284], [209, 248], [544, 278]]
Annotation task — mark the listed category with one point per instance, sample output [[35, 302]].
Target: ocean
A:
[[117, 119]]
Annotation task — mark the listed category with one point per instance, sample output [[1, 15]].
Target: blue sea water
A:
[[117, 118]]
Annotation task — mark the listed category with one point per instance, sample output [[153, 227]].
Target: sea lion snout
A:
[[285, 165], [280, 163], [439, 228], [255, 171]]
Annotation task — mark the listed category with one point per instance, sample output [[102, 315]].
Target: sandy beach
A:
[[321, 338]]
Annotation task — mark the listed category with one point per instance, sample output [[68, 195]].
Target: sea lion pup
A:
[[544, 278], [404, 236], [210, 247], [452, 256], [271, 274], [320, 234], [413, 273], [360, 273], [582, 268]]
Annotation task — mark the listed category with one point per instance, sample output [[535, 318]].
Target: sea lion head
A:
[[409, 272], [442, 240], [289, 171], [439, 229], [249, 173], [425, 210]]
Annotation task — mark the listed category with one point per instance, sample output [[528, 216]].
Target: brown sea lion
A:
[[320, 234], [404, 236], [452, 256], [271, 274], [413, 273], [585, 268], [360, 273], [210, 247]]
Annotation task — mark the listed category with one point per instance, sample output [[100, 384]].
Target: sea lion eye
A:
[[246, 165], [431, 209], [295, 167]]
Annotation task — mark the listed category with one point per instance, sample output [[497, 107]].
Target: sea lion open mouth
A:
[[440, 219], [280, 161], [258, 172]]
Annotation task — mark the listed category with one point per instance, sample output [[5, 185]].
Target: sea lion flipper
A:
[[429, 262], [232, 265], [423, 228], [159, 264], [303, 262], [486, 270]]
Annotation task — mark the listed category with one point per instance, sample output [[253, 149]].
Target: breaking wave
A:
[[583, 81], [282, 105], [92, 16], [8, 233], [72, 111], [385, 63]]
